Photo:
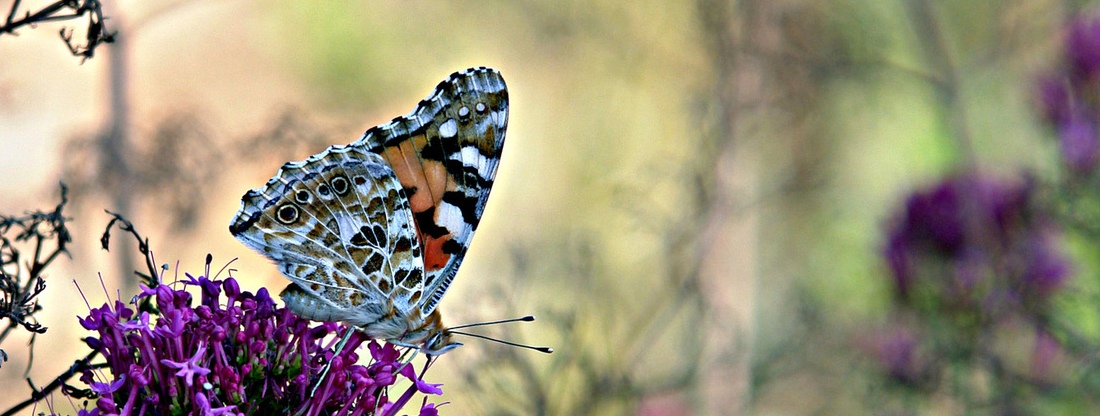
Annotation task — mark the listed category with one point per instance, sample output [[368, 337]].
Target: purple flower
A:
[[138, 375], [933, 217], [973, 245], [429, 409], [106, 389], [1055, 100], [172, 323], [421, 385], [387, 353], [1046, 269], [1080, 144], [1068, 97], [188, 369], [248, 356], [1083, 47], [141, 324], [202, 404]]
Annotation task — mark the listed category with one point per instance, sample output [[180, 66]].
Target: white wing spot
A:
[[480, 107], [500, 118], [448, 129], [450, 217], [464, 112], [470, 156]]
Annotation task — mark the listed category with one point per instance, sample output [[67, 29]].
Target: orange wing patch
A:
[[445, 154], [424, 181]]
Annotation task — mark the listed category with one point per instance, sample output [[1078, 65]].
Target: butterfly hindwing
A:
[[339, 226], [445, 155]]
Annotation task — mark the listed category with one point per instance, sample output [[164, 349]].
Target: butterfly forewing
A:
[[445, 154]]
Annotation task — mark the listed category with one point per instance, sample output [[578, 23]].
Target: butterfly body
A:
[[372, 233]]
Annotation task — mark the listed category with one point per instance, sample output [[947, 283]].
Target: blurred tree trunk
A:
[[727, 255], [767, 150], [115, 145]]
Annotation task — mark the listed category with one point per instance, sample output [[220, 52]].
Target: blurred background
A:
[[693, 196]]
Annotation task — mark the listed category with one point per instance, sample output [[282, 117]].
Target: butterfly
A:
[[372, 233]]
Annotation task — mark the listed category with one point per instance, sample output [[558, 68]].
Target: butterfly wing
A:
[[445, 155], [340, 228]]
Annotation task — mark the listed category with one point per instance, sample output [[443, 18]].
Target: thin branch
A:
[[48, 235], [152, 279], [96, 32]]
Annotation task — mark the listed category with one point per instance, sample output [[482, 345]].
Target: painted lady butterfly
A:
[[372, 233]]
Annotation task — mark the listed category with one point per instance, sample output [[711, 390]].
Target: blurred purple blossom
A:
[[968, 255], [973, 242], [1080, 144], [1068, 97], [244, 357], [1083, 48]]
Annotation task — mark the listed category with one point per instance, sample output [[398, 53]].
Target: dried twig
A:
[[152, 279], [21, 283], [96, 33]]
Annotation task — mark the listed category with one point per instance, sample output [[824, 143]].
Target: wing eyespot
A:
[[464, 113], [303, 197], [481, 107], [340, 185], [287, 214]]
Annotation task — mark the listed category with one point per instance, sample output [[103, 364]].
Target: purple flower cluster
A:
[[972, 245], [246, 357], [972, 260], [1070, 97]]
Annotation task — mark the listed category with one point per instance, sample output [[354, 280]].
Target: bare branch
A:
[[152, 279], [48, 236], [96, 32]]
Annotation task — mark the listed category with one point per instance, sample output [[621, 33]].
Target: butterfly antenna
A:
[[527, 318], [547, 350]]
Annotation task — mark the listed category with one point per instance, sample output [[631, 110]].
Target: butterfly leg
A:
[[328, 365]]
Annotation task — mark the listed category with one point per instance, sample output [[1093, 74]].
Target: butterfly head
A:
[[439, 343], [432, 337]]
